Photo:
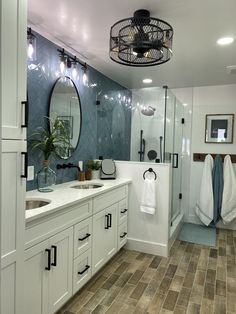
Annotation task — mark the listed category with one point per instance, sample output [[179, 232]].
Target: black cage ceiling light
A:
[[141, 40]]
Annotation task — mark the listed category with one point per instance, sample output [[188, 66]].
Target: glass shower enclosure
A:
[[157, 134]]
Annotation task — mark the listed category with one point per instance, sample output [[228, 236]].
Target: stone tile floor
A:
[[194, 279]]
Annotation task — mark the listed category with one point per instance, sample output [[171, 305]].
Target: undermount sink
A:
[[35, 203], [86, 186]]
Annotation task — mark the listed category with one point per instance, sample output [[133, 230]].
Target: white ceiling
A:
[[84, 27]]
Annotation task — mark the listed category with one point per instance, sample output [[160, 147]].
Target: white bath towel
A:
[[205, 205], [228, 208], [148, 200]]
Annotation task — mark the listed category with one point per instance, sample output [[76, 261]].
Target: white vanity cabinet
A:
[[48, 274], [66, 247]]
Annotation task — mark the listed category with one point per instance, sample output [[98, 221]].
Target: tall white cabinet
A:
[[13, 32]]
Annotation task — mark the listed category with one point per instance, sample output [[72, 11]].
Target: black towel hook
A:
[[150, 170]]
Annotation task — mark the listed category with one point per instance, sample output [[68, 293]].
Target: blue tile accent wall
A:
[[106, 128]]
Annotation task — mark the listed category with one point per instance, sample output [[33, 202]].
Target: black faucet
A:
[[69, 165]]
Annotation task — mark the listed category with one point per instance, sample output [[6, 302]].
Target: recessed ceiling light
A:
[[147, 81], [225, 41]]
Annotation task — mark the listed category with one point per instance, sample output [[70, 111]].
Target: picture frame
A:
[[219, 128], [68, 124]]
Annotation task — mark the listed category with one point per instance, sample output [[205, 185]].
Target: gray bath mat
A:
[[198, 234]]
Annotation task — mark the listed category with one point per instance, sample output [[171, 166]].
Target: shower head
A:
[[148, 111]]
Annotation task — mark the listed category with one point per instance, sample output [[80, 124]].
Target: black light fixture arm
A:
[[72, 59]]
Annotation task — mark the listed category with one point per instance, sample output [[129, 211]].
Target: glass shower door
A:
[[177, 160]]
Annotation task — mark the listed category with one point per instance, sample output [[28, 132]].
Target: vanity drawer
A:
[[109, 198], [122, 211], [82, 236], [81, 270], [42, 228], [122, 234]]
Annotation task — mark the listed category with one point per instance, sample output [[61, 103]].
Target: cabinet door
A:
[[60, 276], [99, 240], [12, 221], [36, 279], [111, 232], [13, 67]]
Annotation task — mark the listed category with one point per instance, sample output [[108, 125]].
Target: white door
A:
[[100, 226], [60, 275], [36, 274], [13, 30], [111, 232], [12, 223]]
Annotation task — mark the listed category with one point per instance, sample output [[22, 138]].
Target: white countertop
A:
[[63, 195]]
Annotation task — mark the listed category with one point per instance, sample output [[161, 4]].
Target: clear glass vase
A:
[[46, 178]]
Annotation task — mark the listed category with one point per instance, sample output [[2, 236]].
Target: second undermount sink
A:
[[35, 203], [86, 186]]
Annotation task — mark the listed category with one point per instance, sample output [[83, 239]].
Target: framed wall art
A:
[[219, 128]]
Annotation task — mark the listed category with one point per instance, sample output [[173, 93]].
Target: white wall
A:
[[147, 233], [204, 100]]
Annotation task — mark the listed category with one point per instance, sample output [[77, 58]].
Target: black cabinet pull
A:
[[54, 263], [106, 222], [25, 124], [85, 237], [123, 235], [110, 220], [83, 271], [25, 174], [124, 211], [176, 163], [48, 251]]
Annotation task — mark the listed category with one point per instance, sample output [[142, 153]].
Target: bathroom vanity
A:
[[68, 240]]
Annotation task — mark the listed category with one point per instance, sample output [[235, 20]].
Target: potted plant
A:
[[51, 140], [94, 166]]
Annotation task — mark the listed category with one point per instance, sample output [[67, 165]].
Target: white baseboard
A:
[[147, 247], [177, 225]]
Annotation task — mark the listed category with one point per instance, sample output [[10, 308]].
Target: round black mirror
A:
[[65, 106]]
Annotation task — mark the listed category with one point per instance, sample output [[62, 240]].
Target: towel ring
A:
[[150, 170]]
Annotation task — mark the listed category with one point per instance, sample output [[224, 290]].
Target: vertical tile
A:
[[231, 304], [210, 276], [220, 305], [170, 300], [138, 291], [193, 308], [220, 288], [209, 291], [188, 280], [184, 296]]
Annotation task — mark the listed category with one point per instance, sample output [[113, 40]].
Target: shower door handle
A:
[[175, 160]]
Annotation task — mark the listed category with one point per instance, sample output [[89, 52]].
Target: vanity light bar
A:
[[71, 60]]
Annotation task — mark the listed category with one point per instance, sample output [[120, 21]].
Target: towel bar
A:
[[150, 170]]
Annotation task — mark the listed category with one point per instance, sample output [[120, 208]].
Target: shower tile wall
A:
[[106, 128], [152, 126]]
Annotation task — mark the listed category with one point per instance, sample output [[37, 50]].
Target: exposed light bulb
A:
[[74, 73], [85, 79], [62, 67], [30, 51], [31, 45]]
